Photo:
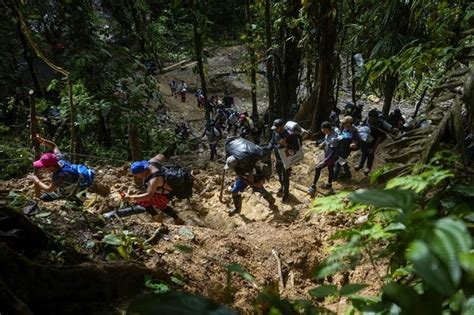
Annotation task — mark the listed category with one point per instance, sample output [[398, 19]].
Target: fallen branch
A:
[[280, 275]]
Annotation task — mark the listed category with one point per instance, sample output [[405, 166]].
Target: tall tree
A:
[[196, 17], [269, 59], [287, 57], [327, 62], [253, 59]]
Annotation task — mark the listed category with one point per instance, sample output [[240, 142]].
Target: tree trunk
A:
[[327, 60], [133, 140], [72, 109], [33, 131], [391, 82], [29, 59], [269, 60], [253, 61], [468, 98], [138, 28], [287, 65], [200, 64]]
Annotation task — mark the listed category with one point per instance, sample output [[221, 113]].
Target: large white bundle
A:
[[294, 127]]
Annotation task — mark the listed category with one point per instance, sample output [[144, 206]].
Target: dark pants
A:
[[318, 170], [136, 209], [283, 177], [337, 170], [213, 147], [366, 155]]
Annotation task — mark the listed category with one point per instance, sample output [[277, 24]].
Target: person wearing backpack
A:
[[349, 141], [373, 133], [281, 138], [67, 179], [159, 191], [183, 88], [329, 145], [213, 134], [243, 157]]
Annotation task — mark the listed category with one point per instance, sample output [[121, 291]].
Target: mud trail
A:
[[300, 238]]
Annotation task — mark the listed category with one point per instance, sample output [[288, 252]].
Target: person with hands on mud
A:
[[330, 145], [253, 179], [67, 179], [281, 138], [156, 196]]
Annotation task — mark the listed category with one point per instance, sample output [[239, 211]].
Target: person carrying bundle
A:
[[252, 166], [67, 180], [283, 139], [162, 183]]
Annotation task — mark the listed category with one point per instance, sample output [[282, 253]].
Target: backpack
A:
[[86, 175], [248, 154], [179, 178]]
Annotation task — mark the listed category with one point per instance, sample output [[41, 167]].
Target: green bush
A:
[[14, 162]]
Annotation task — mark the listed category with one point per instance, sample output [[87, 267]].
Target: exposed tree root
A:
[[29, 285]]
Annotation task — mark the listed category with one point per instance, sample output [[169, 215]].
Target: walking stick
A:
[[222, 185]]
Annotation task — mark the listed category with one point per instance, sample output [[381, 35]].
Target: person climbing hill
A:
[[162, 183], [329, 145], [252, 167], [281, 138], [67, 179]]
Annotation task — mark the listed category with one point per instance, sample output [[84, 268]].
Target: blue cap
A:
[[139, 167]]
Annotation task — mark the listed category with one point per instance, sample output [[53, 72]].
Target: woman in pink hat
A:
[[67, 179]]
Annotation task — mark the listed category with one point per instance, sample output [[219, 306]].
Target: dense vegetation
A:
[[91, 66]]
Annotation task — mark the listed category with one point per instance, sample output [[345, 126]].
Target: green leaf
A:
[[323, 291], [186, 232], [429, 268], [395, 227], [241, 271], [389, 198], [464, 190], [352, 288], [405, 297], [467, 261], [112, 240], [183, 248]]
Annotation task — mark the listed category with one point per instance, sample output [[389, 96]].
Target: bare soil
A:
[[300, 237]]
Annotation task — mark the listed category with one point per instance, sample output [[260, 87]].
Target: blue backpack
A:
[[86, 175]]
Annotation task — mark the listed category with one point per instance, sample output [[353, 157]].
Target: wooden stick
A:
[[280, 275], [222, 185]]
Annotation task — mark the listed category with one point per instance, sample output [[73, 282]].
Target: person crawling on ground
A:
[[157, 195], [68, 181]]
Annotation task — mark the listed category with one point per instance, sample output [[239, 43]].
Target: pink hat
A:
[[46, 160]]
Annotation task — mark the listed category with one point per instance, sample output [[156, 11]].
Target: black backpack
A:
[[179, 178], [248, 154]]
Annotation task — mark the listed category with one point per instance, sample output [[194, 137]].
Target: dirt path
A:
[[212, 239]]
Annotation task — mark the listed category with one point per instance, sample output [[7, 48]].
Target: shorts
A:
[[158, 201]]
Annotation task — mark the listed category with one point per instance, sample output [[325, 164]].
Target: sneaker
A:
[[358, 168], [109, 215], [179, 221], [326, 186], [280, 192], [366, 171], [285, 198], [311, 190], [233, 211]]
